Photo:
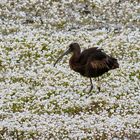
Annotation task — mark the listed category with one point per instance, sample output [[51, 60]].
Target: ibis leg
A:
[[98, 84], [91, 85]]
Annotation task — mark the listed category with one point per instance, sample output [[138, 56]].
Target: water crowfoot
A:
[[39, 101]]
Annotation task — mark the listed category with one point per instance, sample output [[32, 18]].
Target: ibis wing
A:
[[87, 54], [99, 64], [103, 62], [95, 62], [100, 61]]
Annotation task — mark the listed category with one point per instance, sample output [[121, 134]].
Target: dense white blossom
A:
[[40, 101]]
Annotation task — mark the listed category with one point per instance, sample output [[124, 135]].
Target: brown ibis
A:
[[92, 62]]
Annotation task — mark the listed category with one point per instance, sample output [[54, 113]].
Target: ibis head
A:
[[73, 47]]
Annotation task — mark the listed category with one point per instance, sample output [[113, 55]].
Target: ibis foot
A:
[[98, 85], [91, 87], [88, 91], [99, 89]]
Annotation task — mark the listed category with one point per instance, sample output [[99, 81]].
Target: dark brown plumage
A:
[[92, 62]]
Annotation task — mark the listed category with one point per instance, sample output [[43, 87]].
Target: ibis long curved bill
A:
[[65, 53]]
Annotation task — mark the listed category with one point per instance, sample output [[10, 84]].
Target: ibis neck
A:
[[74, 60], [75, 56], [74, 64]]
